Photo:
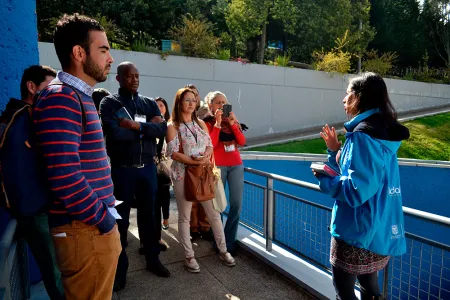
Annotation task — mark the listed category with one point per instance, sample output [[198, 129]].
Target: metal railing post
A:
[[269, 214], [386, 281], [265, 230]]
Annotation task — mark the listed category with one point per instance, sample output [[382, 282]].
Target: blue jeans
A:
[[234, 176]]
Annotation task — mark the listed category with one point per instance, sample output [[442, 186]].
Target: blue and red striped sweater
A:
[[76, 161]]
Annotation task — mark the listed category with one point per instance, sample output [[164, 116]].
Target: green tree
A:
[[132, 17], [249, 18], [196, 37], [318, 23], [399, 28], [437, 13]]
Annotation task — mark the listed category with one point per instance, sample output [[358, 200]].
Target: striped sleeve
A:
[[58, 128]]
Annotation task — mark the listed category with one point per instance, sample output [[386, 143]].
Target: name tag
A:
[[140, 118], [230, 148]]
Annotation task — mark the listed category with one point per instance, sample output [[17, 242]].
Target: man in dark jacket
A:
[[28, 205], [131, 124]]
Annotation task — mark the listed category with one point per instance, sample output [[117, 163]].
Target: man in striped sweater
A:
[[82, 221]]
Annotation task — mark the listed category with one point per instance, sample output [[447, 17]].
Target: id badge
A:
[[140, 118], [230, 148]]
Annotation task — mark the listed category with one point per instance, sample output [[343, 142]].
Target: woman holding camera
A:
[[367, 219], [188, 143], [226, 135]]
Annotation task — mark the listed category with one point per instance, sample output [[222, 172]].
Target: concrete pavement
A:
[[249, 279]]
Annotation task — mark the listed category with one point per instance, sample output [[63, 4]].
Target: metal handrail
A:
[[6, 241], [441, 220], [5, 245], [304, 184], [269, 197]]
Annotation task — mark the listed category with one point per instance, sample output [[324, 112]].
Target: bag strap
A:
[[79, 98], [180, 140]]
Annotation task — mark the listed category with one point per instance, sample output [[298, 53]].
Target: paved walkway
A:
[[249, 279]]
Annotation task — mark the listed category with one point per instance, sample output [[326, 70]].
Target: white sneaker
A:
[[227, 259], [192, 265]]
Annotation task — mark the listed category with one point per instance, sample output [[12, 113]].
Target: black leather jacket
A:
[[127, 147]]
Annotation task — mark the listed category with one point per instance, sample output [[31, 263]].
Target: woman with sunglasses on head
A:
[[226, 135], [199, 225], [367, 219], [188, 143]]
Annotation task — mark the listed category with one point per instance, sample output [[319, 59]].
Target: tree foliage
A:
[[400, 29], [196, 37], [437, 13], [381, 64], [337, 60], [245, 27]]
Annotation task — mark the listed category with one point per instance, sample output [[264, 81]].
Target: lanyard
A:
[[192, 132]]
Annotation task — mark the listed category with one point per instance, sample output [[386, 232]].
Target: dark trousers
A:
[[137, 184], [344, 284], [36, 232], [163, 197]]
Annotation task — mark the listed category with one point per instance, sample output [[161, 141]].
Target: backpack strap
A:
[[79, 98]]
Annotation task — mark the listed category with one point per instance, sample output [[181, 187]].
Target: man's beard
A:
[[93, 70]]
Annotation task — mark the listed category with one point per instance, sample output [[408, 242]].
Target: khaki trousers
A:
[[87, 260]]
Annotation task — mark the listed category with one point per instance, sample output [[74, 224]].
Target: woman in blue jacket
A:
[[367, 219]]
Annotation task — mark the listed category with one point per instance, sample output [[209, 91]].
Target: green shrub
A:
[[282, 61], [337, 60], [379, 64], [141, 45], [196, 37], [224, 54], [120, 47]]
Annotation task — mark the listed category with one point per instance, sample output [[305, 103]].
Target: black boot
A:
[[157, 268]]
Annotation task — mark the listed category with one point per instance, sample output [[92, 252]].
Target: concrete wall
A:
[[267, 99], [18, 45]]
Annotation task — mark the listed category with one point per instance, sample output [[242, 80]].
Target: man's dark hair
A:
[[35, 74], [72, 30], [98, 95]]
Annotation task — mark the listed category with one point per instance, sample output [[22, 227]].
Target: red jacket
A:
[[223, 158]]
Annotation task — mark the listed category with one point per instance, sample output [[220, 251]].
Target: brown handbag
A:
[[198, 180]]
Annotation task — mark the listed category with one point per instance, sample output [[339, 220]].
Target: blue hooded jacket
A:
[[368, 210]]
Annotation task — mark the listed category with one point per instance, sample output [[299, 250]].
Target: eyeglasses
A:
[[191, 101]]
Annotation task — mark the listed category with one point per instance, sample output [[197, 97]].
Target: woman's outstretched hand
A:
[[329, 135]]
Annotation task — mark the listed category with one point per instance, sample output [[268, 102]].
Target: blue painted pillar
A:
[[18, 51], [18, 45]]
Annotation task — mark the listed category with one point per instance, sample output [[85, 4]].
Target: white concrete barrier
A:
[[267, 99]]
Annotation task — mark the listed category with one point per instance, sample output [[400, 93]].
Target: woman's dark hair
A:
[[167, 114], [371, 92], [98, 95]]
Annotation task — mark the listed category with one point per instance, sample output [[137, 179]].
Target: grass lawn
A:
[[430, 140]]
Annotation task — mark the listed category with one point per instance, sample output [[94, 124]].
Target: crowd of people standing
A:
[[98, 154]]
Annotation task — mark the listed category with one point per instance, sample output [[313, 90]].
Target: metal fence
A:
[[14, 277], [302, 227]]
